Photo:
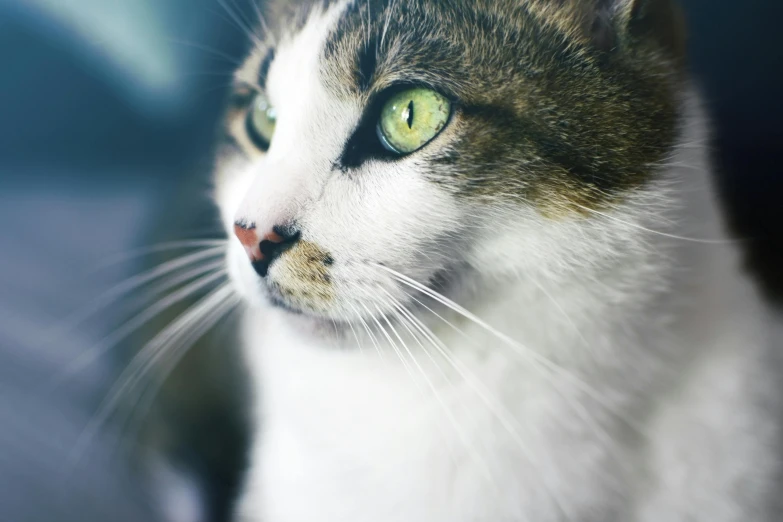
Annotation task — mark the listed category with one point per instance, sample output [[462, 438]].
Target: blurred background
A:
[[107, 113]]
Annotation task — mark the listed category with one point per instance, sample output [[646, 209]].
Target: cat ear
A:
[[624, 22]]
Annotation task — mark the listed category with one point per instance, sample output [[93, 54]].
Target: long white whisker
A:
[[464, 439], [410, 354], [521, 350], [391, 342], [575, 405], [170, 354], [260, 18], [89, 355], [161, 247], [659, 233], [233, 60], [240, 23], [155, 350], [175, 280], [535, 360], [146, 356], [238, 10], [369, 332], [208, 74], [505, 417], [111, 295], [355, 335]]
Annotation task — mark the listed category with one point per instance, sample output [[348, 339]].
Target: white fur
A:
[[628, 383]]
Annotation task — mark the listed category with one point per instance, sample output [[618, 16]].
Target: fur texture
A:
[[611, 361]]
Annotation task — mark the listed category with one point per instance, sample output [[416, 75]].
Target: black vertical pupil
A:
[[410, 115]]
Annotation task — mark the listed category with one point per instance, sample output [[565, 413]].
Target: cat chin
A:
[[309, 325]]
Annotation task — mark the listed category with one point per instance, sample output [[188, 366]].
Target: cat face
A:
[[371, 144]]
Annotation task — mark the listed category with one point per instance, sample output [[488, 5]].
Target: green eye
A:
[[261, 121], [411, 119]]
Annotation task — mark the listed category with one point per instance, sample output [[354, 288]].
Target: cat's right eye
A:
[[411, 119], [261, 122]]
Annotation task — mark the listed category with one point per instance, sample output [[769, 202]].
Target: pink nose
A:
[[250, 239]]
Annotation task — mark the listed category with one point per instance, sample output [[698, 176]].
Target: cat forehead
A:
[[469, 46], [365, 46]]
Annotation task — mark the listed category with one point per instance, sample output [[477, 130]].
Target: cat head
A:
[[369, 144]]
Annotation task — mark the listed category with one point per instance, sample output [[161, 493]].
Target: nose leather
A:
[[254, 245], [248, 236]]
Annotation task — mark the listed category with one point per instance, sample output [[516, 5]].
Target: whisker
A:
[[179, 347], [369, 25], [149, 356], [111, 295], [111, 340], [505, 417], [208, 74], [464, 439], [659, 233], [534, 358], [260, 18], [175, 280], [410, 354], [391, 342], [359, 344], [203, 93], [369, 332], [234, 17], [233, 60], [162, 247], [523, 351], [146, 357], [241, 14]]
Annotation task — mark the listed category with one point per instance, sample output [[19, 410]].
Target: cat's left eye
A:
[[261, 122]]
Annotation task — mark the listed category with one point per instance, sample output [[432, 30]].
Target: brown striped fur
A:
[[564, 104]]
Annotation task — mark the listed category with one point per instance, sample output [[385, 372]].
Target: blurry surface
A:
[[137, 55], [41, 422], [106, 119]]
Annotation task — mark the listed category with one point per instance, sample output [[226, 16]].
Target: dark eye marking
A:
[[364, 143], [241, 97], [410, 115], [266, 63]]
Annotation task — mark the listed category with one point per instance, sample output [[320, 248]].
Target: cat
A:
[[485, 270]]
